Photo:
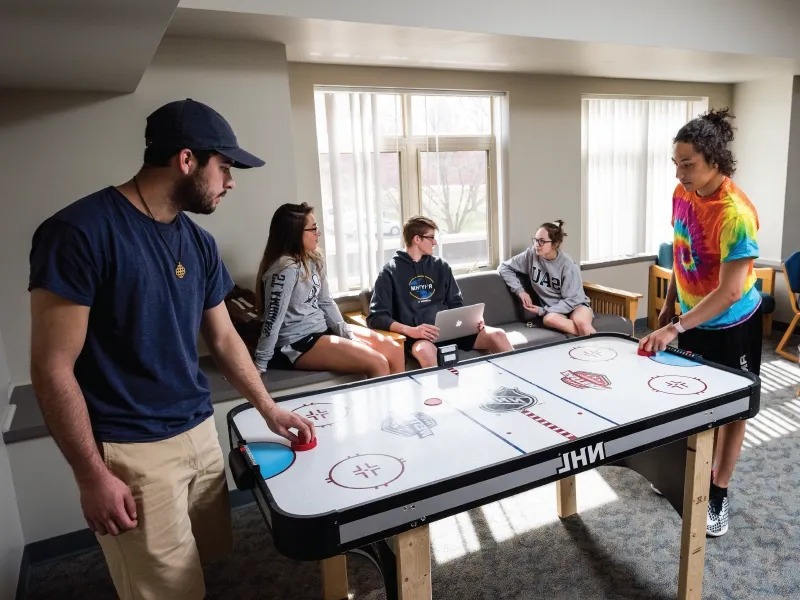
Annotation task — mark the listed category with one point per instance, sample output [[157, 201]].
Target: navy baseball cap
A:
[[191, 124]]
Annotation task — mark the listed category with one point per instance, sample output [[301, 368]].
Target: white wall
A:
[[11, 540], [791, 209], [766, 28], [761, 147], [544, 170], [66, 145]]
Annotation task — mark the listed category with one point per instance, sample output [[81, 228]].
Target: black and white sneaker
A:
[[717, 522]]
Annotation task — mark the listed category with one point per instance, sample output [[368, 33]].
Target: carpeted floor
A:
[[623, 544]]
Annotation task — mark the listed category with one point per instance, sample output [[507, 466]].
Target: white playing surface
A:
[[380, 439]]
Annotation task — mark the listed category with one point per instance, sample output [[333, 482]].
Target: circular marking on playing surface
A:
[[323, 414], [593, 353], [272, 458], [673, 360], [677, 385], [366, 471], [433, 401]]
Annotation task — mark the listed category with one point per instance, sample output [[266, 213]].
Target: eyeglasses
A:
[[540, 241], [315, 229], [428, 237]]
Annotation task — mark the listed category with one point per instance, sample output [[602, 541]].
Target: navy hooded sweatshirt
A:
[[412, 293]]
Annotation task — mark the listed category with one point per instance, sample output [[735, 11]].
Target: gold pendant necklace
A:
[[180, 270]]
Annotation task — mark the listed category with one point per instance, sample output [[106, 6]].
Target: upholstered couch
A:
[[615, 310]]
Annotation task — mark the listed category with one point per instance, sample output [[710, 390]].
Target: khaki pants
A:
[[183, 514]]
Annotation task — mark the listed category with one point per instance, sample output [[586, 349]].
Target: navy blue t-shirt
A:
[[139, 369]]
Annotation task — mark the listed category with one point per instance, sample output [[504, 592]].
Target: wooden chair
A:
[[659, 283], [791, 272]]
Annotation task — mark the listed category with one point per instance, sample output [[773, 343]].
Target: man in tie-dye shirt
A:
[[714, 246], [710, 231]]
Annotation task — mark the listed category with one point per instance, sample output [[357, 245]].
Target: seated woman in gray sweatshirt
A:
[[303, 328], [556, 280]]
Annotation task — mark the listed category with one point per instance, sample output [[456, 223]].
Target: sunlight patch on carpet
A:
[[453, 538], [536, 508], [772, 423]]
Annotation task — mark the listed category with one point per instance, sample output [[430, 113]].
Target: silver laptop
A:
[[458, 322]]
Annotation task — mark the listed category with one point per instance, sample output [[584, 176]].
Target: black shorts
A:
[[465, 343], [286, 356], [737, 347]]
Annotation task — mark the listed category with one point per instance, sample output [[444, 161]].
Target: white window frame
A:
[[410, 147]]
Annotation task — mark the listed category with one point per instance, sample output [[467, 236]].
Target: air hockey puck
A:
[[643, 352], [298, 447]]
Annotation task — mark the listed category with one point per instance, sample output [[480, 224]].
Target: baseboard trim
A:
[[24, 579], [81, 541]]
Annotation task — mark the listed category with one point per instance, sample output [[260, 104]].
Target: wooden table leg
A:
[[413, 553], [695, 511], [334, 578], [565, 497]]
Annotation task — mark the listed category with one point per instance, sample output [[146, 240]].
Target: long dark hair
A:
[[710, 135], [285, 239]]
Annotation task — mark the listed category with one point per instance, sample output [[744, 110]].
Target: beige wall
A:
[[66, 145], [791, 211], [761, 147], [11, 540]]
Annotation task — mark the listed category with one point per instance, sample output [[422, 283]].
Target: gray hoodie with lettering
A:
[[557, 282], [296, 305]]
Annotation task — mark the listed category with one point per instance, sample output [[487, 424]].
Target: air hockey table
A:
[[397, 453]]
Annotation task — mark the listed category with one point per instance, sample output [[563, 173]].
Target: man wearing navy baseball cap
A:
[[121, 283]]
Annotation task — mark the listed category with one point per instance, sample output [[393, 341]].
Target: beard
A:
[[191, 194]]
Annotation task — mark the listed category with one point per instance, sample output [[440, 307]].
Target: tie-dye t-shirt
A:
[[709, 231]]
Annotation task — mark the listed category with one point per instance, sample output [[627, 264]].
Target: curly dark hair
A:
[[710, 135]]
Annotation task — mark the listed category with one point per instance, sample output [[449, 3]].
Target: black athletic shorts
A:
[[465, 343], [286, 356], [738, 347]]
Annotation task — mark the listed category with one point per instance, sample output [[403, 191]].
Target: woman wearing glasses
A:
[[555, 280], [303, 328]]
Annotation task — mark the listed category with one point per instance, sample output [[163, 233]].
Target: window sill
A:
[[588, 265]]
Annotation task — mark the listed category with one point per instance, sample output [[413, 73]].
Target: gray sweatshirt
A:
[[295, 306], [557, 282]]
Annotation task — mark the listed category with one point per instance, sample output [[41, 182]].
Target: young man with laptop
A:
[[417, 296]]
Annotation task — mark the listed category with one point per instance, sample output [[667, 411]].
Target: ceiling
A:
[[97, 45], [337, 42], [106, 45]]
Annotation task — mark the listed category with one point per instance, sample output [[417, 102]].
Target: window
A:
[[628, 175], [385, 155]]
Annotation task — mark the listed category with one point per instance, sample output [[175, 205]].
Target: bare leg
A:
[[582, 317], [729, 445], [333, 353], [391, 350], [492, 339], [561, 323], [425, 353]]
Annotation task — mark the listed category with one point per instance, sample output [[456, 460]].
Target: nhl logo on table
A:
[[505, 400], [409, 425], [585, 380]]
